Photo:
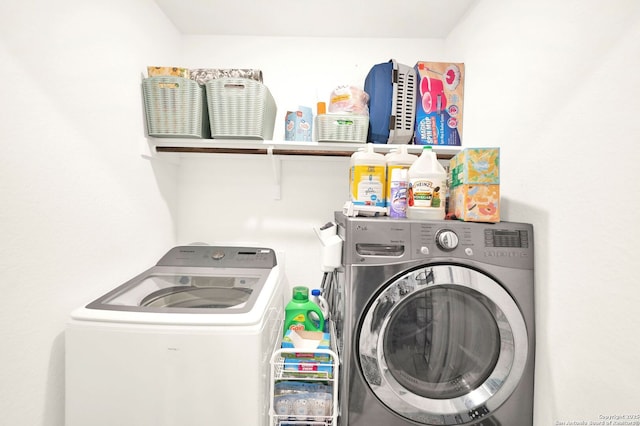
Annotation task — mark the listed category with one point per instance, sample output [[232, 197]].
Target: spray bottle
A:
[[398, 162]]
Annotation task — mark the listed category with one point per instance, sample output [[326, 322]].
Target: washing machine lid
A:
[[195, 279], [443, 344]]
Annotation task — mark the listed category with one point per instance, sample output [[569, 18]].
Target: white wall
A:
[[555, 85], [80, 209]]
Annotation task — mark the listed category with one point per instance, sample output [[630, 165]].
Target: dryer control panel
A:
[[518, 238], [504, 244], [383, 240]]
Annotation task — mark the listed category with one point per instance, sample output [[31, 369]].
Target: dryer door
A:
[[443, 344]]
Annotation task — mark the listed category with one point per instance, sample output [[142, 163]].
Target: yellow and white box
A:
[[475, 185]]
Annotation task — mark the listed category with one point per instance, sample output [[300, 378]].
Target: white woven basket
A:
[[240, 108], [175, 107], [342, 128]]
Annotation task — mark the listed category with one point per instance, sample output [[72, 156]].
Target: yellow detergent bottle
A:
[[367, 175], [297, 312]]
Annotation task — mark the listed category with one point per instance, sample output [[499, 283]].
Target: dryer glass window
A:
[[442, 342]]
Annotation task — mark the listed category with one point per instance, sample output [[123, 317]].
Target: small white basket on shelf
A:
[[342, 128]]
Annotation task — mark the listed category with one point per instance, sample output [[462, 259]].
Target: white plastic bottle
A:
[[367, 178], [426, 193], [398, 162], [317, 298]]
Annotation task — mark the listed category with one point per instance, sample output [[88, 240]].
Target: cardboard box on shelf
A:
[[306, 342], [474, 179], [168, 71], [439, 104], [304, 360]]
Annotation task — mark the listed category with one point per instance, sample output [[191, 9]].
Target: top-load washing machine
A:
[[435, 322], [185, 343]]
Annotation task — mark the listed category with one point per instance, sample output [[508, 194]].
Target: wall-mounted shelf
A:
[[285, 148], [175, 148]]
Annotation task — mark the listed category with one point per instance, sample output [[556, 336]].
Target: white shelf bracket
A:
[[146, 150], [276, 166]]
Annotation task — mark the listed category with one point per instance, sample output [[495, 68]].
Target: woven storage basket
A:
[[175, 107], [240, 108], [342, 128]]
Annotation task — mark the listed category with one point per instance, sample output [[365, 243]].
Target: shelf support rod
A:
[[276, 166]]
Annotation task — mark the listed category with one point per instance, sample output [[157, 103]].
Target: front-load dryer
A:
[[185, 343], [435, 322]]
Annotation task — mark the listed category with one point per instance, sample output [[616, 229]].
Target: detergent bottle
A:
[[317, 298], [297, 313], [426, 192], [398, 162], [367, 178]]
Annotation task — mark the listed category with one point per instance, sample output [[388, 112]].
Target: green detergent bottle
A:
[[296, 313]]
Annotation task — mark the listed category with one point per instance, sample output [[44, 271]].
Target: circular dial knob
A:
[[217, 255], [447, 239]]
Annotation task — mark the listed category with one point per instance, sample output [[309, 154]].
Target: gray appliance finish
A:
[[195, 278], [435, 322]]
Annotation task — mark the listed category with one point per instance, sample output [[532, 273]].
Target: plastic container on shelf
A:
[[350, 128], [297, 313], [398, 162], [427, 186], [175, 107], [240, 108], [367, 178], [392, 95]]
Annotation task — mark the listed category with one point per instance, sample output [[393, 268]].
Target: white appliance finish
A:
[[185, 343], [435, 322]]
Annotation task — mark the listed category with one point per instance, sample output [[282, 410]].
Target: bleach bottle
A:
[[367, 176], [398, 162], [426, 192], [297, 313], [318, 299]]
